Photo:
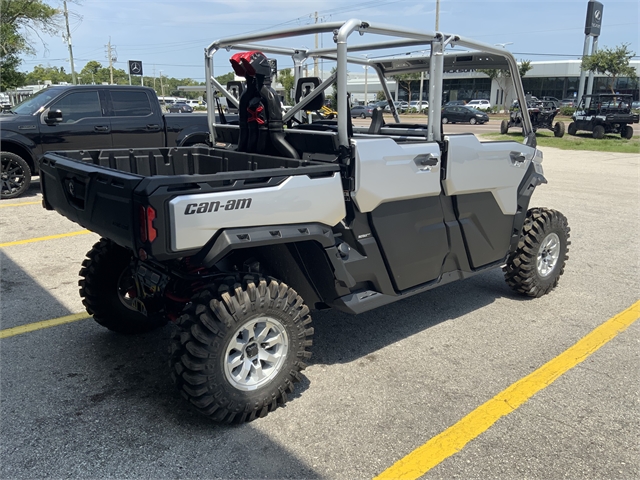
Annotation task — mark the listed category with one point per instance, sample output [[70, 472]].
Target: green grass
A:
[[582, 141]]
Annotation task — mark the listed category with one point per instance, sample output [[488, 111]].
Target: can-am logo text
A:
[[207, 207]]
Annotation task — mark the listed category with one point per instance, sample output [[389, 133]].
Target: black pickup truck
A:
[[87, 117]]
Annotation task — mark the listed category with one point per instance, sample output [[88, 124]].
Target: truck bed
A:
[[105, 190]]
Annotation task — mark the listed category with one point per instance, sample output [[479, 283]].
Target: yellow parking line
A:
[[452, 440], [42, 239], [30, 327], [3, 205]]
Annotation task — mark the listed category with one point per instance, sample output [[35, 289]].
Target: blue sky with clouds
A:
[[170, 35]]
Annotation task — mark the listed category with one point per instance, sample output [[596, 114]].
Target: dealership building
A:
[[558, 79]]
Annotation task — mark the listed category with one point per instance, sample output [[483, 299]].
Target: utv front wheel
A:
[[108, 290], [572, 130], [558, 129], [598, 132], [627, 132], [239, 351], [535, 267], [504, 127]]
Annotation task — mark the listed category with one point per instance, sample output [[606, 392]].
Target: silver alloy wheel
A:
[[548, 254], [256, 353]]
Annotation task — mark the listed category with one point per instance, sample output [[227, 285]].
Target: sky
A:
[[169, 36]]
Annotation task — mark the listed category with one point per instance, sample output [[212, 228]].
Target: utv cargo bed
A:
[[106, 191]]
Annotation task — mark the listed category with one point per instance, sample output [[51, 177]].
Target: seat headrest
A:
[[305, 86]]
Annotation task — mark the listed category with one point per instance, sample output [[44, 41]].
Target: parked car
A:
[[180, 107], [400, 106], [451, 103], [479, 104], [458, 113], [362, 111], [568, 102], [416, 104], [81, 117], [196, 103]]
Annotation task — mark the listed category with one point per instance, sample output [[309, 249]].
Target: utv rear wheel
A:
[[535, 267], [572, 130], [558, 129], [598, 132], [504, 127], [627, 132], [240, 350], [108, 290], [16, 175]]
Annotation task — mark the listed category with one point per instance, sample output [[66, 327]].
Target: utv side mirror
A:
[[54, 116]]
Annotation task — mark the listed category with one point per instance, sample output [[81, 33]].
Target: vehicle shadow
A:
[[342, 338], [106, 402]]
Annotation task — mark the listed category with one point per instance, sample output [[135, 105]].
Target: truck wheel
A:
[[535, 267], [558, 129], [627, 132], [108, 290], [240, 350], [572, 130], [16, 175], [598, 132], [504, 127], [445, 120]]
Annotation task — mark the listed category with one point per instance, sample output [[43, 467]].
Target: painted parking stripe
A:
[[42, 239], [31, 327], [4, 205], [452, 440]]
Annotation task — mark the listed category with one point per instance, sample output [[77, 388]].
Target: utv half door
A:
[[398, 186], [483, 179]]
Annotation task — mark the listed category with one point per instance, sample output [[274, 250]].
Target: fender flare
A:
[[242, 238], [23, 147]]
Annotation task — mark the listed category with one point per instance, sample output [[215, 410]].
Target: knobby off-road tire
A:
[[504, 127], [16, 175], [598, 132], [107, 290], [535, 267], [627, 132], [558, 129], [239, 350], [572, 130]]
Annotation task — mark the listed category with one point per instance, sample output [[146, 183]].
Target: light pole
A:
[[366, 83], [161, 84]]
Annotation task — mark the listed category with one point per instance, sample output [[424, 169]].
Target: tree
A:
[[19, 20], [287, 79], [614, 63], [503, 78], [404, 81], [380, 95], [40, 74]]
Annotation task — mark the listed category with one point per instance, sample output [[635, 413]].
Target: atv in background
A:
[[541, 112], [604, 113]]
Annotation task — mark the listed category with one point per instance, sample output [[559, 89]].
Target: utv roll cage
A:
[[436, 63]]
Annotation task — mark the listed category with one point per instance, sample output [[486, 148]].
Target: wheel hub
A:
[[256, 353], [548, 254]]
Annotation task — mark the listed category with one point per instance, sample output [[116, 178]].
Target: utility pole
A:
[[161, 85], [68, 38], [437, 15], [110, 57], [315, 59]]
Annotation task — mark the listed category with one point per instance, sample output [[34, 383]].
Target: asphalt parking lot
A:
[[78, 401]]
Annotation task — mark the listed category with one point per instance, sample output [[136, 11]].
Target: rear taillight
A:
[[146, 216]]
